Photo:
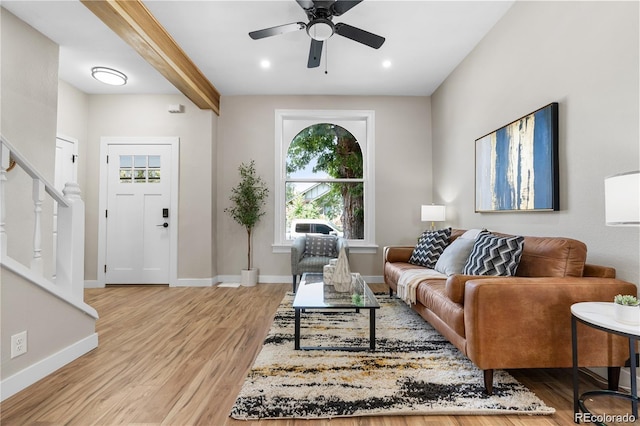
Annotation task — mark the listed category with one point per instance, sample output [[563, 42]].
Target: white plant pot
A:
[[627, 314], [249, 277]]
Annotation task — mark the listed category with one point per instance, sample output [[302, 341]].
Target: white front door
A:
[[138, 214]]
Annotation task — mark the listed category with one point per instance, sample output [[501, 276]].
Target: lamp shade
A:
[[622, 199], [433, 213]]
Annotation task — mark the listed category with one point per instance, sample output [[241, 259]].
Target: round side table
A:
[[600, 315]]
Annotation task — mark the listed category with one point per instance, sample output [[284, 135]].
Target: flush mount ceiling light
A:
[[109, 76]]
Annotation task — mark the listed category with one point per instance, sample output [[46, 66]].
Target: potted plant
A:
[[248, 199], [627, 309]]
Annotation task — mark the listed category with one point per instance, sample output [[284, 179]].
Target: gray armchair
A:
[[309, 253]]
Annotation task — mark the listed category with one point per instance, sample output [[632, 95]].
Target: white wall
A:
[[28, 104], [147, 115], [583, 55], [29, 86], [402, 172]]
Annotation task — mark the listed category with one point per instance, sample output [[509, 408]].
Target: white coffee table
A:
[[600, 315]]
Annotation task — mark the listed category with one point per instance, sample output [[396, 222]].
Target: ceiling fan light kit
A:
[[321, 27]]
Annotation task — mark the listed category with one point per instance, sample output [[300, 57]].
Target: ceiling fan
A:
[[320, 27]]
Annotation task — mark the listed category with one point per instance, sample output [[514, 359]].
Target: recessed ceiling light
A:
[[265, 64], [109, 76], [386, 64]]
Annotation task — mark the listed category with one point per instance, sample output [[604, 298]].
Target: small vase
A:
[[341, 278], [627, 314]]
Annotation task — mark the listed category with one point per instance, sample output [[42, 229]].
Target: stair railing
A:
[[69, 253]]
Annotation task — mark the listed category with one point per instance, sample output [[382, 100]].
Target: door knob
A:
[[164, 225]]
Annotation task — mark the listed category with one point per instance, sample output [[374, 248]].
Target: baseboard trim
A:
[[280, 279], [195, 282], [209, 282], [625, 377], [93, 284], [41, 369]]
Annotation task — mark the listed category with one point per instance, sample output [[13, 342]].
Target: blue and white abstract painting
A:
[[516, 166]]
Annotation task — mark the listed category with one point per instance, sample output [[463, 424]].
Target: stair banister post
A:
[[38, 199], [70, 250], [4, 165]]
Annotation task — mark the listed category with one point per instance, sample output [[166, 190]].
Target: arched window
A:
[[324, 180]]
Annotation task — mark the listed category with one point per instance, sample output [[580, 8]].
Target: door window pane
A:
[[140, 168]]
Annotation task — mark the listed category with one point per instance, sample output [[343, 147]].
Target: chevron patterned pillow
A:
[[495, 256], [430, 246]]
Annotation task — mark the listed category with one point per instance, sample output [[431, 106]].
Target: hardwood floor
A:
[[178, 356]]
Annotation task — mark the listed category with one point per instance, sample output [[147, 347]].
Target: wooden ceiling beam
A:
[[135, 24]]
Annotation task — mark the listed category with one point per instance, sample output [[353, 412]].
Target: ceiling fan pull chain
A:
[[326, 56]]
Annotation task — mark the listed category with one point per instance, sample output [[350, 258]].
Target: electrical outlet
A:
[[19, 344]]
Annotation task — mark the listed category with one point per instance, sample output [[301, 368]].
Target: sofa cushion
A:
[[430, 246], [320, 245], [495, 256], [454, 257], [552, 257]]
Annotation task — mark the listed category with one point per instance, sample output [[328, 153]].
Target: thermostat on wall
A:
[[175, 108]]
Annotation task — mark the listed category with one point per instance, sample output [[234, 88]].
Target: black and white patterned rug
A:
[[414, 371]]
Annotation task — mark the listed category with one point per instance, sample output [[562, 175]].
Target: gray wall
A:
[[402, 172], [147, 115], [583, 55]]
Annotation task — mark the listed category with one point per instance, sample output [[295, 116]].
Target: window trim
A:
[[291, 122]]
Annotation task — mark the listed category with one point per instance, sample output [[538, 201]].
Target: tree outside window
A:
[[324, 179]]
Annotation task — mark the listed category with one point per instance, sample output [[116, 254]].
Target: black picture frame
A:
[[517, 167]]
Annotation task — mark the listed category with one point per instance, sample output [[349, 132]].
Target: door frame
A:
[[74, 143], [107, 141], [74, 179]]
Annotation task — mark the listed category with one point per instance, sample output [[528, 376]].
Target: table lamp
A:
[[622, 199], [433, 213]]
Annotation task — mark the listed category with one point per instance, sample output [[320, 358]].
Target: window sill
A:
[[353, 248]]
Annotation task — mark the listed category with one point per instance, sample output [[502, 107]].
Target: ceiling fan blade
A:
[[280, 29], [315, 53], [361, 36], [342, 6], [305, 4]]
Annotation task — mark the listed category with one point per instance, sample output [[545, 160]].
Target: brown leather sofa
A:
[[522, 321]]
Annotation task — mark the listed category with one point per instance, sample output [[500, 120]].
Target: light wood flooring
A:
[[178, 356]]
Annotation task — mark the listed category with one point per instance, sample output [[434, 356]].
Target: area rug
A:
[[414, 371]]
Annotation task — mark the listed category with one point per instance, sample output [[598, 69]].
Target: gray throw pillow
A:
[[320, 245], [454, 257]]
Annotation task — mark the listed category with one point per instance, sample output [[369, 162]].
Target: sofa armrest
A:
[[455, 285], [598, 271], [397, 253], [297, 250], [516, 322]]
